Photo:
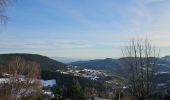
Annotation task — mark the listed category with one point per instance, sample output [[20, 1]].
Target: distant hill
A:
[[105, 64], [66, 60], [118, 65], [46, 63]]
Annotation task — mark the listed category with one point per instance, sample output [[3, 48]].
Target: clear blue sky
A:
[[84, 28]]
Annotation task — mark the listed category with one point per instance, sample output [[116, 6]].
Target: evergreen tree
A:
[[58, 90], [75, 90]]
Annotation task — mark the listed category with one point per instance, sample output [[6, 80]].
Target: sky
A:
[[84, 28]]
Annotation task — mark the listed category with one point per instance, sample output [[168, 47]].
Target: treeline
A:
[[73, 92], [74, 88], [67, 79]]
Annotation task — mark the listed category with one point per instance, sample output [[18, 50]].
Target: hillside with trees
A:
[[46, 63]]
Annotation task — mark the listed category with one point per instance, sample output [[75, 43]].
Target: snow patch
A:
[[48, 82], [4, 80]]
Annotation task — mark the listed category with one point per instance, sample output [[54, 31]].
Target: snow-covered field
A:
[[48, 82], [43, 82]]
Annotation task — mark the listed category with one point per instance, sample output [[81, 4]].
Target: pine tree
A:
[[58, 90], [75, 90]]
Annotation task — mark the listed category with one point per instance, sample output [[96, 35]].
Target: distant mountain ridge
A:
[[46, 63], [118, 65], [51, 65], [106, 64], [67, 60]]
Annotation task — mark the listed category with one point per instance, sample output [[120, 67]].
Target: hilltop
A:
[[46, 63]]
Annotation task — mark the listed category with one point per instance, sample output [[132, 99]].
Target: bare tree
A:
[[142, 64], [3, 5], [23, 80], [120, 83]]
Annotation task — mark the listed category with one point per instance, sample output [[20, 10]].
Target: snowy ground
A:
[[43, 82], [4, 80], [48, 82]]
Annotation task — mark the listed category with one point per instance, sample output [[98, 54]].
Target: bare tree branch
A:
[[142, 64], [23, 80], [3, 5]]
